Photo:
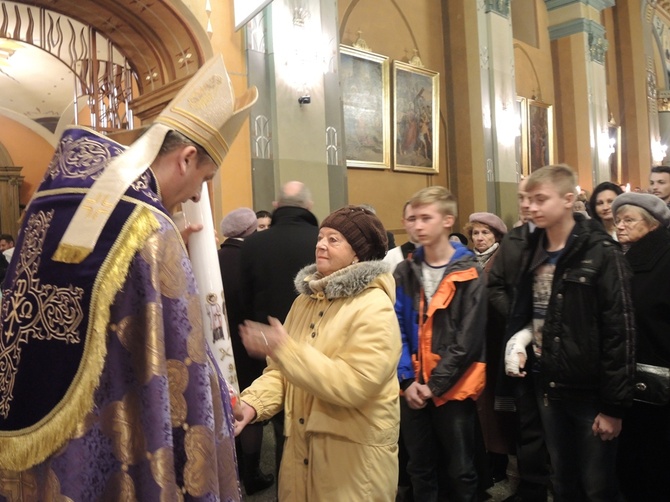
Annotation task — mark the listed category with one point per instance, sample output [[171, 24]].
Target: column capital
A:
[[596, 4], [595, 32], [498, 6]]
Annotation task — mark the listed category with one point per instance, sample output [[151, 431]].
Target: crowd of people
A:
[[410, 373], [533, 342]]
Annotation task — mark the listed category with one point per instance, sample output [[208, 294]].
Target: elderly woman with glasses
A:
[[486, 230], [641, 222], [332, 369]]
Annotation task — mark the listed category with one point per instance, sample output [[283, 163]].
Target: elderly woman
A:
[[235, 227], [600, 205], [486, 230], [644, 448], [332, 368]]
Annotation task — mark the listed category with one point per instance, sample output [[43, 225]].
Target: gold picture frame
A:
[[540, 135], [416, 108], [366, 108], [521, 137]]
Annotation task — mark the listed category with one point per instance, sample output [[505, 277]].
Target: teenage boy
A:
[[441, 306], [572, 306], [517, 394]]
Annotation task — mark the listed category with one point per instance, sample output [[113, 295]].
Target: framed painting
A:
[[540, 134], [614, 136], [367, 108], [521, 138], [416, 108]]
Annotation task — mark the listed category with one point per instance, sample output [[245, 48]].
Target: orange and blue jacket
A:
[[443, 343]]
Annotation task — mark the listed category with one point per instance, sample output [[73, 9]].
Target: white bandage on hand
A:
[[516, 347]]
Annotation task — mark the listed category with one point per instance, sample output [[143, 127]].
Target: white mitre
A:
[[205, 110]]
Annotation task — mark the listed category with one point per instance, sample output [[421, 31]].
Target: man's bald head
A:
[[295, 193]]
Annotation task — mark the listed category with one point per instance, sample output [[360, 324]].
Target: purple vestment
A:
[[157, 422]]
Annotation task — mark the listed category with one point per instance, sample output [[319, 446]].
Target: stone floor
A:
[[499, 492]]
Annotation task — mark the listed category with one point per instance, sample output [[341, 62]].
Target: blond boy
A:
[[572, 306], [441, 306]]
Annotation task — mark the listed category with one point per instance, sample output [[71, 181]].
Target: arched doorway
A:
[[80, 49]]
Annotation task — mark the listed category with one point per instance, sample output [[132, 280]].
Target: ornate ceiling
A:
[[159, 40]]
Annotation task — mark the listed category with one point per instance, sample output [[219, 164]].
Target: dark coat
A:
[[3, 268], [588, 337], [650, 260], [248, 368], [272, 258], [506, 269]]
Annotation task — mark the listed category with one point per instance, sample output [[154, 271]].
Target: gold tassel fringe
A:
[[20, 450]]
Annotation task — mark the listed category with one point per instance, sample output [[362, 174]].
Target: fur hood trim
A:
[[344, 283]]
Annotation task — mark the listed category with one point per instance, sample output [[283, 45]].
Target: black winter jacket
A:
[[588, 338], [506, 270], [271, 259], [650, 260]]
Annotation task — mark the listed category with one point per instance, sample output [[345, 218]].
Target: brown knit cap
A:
[[362, 229]]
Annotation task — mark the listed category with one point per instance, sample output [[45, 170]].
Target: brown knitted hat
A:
[[362, 229]]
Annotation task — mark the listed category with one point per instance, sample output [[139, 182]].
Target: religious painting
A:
[[367, 109], [614, 136], [540, 134], [416, 107], [521, 138]]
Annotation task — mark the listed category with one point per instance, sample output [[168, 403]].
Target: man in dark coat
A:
[[517, 395], [236, 227], [270, 261]]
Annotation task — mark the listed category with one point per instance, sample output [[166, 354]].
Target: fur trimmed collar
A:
[[344, 283]]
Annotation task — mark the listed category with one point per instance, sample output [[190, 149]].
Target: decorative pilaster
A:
[[499, 111], [297, 122], [499, 7], [598, 44], [579, 46]]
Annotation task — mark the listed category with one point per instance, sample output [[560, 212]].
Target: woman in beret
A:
[[332, 369], [235, 227], [600, 205], [644, 445], [485, 231]]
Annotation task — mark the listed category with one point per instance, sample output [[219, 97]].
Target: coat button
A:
[[559, 296], [557, 339], [552, 384], [313, 334], [321, 314], [302, 421], [305, 461], [311, 326], [582, 279]]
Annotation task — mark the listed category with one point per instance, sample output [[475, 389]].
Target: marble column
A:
[[481, 97], [292, 50], [578, 46]]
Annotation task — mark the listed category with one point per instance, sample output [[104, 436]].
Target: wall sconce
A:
[[301, 41], [658, 151]]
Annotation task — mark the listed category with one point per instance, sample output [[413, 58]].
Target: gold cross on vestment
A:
[[97, 207], [32, 310]]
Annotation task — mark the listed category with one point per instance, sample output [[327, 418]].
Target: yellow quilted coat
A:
[[336, 380]]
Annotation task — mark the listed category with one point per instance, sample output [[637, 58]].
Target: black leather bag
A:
[[652, 384]]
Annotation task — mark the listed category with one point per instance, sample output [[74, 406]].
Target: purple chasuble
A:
[[157, 422]]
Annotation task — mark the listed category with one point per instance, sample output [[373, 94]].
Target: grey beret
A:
[[651, 203], [241, 222], [489, 219]]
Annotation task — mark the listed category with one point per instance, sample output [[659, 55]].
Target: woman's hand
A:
[[262, 340], [247, 414]]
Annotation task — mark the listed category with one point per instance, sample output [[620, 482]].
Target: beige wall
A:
[[395, 29], [27, 150]]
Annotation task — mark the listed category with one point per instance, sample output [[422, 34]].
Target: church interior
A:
[[365, 101]]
